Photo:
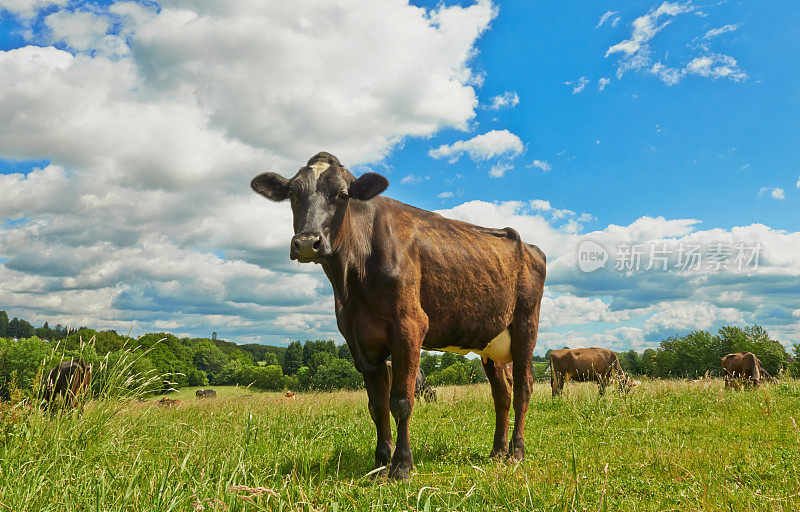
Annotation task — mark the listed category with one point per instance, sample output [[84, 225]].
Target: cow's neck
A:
[[351, 236]]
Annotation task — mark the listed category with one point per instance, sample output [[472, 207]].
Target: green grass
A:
[[669, 445]]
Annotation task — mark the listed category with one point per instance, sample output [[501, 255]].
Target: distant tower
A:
[[214, 336]]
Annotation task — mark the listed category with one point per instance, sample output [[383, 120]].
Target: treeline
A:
[[323, 365], [312, 365], [19, 328], [698, 352]]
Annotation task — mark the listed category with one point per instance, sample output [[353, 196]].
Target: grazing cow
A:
[[405, 279], [205, 393], [289, 397], [169, 402], [68, 380], [423, 389], [586, 365], [743, 366], [421, 386]]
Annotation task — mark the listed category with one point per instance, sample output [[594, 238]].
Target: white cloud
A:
[[544, 165], [482, 147], [716, 66], [774, 192], [714, 32], [28, 8], [411, 179], [605, 17], [445, 195], [602, 83], [578, 85], [80, 30], [145, 213], [508, 99], [499, 169], [636, 54], [798, 181], [647, 26]]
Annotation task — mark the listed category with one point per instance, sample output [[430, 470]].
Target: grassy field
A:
[[669, 445]]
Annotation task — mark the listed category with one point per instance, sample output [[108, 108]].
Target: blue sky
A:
[[676, 151], [129, 132]]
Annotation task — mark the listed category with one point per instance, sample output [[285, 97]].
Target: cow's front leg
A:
[[405, 362], [500, 379], [377, 383]]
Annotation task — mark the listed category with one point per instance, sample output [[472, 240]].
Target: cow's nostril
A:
[[317, 244], [296, 244]]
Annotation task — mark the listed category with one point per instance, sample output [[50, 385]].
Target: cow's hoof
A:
[[516, 451], [400, 472], [499, 453], [379, 472]]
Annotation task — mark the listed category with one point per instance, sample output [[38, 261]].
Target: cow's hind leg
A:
[[500, 379], [523, 341], [408, 335], [377, 383]]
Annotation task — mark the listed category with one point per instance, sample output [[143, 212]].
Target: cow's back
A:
[[583, 363], [469, 278]]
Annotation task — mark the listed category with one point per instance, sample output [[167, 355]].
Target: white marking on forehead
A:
[[319, 168]]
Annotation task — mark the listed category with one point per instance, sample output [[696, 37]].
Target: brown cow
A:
[[586, 365], [405, 279], [744, 366], [68, 380]]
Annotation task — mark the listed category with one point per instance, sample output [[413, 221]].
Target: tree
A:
[[344, 352], [4, 325], [293, 358], [428, 363], [448, 359], [337, 374]]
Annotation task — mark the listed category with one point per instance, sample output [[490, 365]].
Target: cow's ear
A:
[[368, 186], [272, 186]]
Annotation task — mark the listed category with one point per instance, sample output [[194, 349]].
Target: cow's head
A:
[[319, 193]]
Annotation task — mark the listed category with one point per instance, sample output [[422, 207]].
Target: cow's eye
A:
[[342, 196]]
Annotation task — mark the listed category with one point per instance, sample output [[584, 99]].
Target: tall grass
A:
[[669, 445]]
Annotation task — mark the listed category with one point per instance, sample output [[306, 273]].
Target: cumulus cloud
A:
[[80, 30], [508, 99], [492, 144], [28, 8], [154, 128], [774, 192], [655, 302]]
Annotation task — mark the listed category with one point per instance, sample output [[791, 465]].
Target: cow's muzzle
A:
[[307, 247]]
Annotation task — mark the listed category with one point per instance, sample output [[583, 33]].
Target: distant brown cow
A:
[[586, 365], [743, 366], [205, 393], [289, 397], [169, 402], [68, 380]]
